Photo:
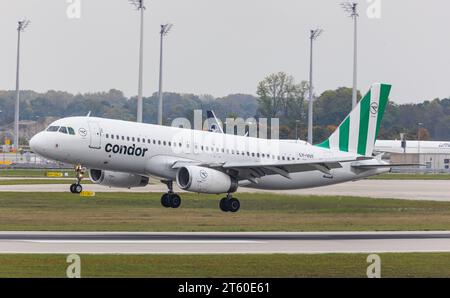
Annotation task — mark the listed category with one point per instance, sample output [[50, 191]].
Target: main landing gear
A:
[[76, 187], [229, 204], [173, 200], [170, 199]]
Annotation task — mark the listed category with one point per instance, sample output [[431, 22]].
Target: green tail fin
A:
[[358, 132]]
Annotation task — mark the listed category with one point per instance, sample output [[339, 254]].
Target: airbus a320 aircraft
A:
[[124, 154]]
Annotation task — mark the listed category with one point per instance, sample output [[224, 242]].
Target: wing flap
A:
[[375, 166]]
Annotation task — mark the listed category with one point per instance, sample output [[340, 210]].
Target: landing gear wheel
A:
[[175, 201], [223, 205], [165, 200], [229, 205], [170, 200], [78, 188], [72, 188], [233, 205]]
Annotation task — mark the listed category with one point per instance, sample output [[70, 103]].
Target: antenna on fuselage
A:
[[88, 114]]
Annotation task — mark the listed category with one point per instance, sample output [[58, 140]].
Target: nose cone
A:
[[37, 144]]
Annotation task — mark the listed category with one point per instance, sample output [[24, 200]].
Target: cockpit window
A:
[[53, 128], [71, 130], [63, 129]]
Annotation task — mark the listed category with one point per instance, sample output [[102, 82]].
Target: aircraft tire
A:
[[165, 200], [78, 188], [175, 201], [233, 205], [223, 205]]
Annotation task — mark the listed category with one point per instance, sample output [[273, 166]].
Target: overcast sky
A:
[[220, 47]]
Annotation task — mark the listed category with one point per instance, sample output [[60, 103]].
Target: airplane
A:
[[125, 154]]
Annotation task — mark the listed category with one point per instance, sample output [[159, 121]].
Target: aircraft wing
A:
[[254, 170]]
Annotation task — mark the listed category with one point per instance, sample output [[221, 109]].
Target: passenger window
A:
[[132, 139], [138, 139], [128, 138], [63, 130], [71, 131], [107, 136]]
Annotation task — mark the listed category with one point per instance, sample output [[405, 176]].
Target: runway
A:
[[222, 243], [435, 190]]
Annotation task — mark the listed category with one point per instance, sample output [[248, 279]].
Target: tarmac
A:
[[222, 243]]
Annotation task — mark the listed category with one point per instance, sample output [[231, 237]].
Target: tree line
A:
[[278, 95]]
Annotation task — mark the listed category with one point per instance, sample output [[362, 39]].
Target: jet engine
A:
[[205, 180], [117, 179]]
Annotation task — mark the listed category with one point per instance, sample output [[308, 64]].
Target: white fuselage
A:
[[151, 150]]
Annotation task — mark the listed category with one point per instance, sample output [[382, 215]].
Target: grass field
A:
[[41, 181], [327, 265], [33, 172], [259, 212]]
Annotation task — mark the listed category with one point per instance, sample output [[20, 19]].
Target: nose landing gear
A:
[[77, 187]]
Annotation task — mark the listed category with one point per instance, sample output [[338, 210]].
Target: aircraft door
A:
[[95, 135]]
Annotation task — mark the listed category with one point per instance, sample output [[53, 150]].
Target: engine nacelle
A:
[[117, 179], [205, 180]]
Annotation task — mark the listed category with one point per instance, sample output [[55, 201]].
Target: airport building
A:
[[434, 156]]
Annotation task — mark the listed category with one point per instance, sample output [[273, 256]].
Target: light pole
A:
[[139, 4], [164, 31], [351, 8], [313, 36], [419, 125], [296, 129], [20, 28]]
